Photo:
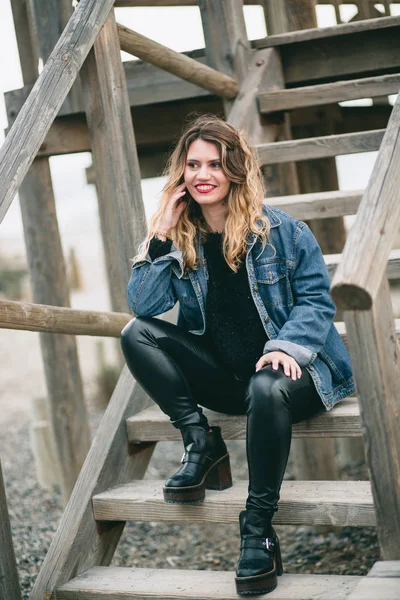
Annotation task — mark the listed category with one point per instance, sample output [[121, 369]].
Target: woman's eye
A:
[[192, 165], [216, 164]]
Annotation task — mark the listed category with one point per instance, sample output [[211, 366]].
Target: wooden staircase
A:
[[110, 489]]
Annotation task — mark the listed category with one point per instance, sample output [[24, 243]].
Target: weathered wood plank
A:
[[122, 216], [48, 93], [339, 503], [376, 363], [344, 29], [172, 584], [371, 588], [9, 583], [321, 205], [333, 261], [362, 267], [78, 544], [319, 147], [56, 319], [343, 421], [385, 568], [177, 63], [326, 93]]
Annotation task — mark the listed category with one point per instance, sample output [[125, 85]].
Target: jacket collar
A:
[[272, 215]]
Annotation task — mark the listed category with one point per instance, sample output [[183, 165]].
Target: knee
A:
[[132, 333], [266, 393]]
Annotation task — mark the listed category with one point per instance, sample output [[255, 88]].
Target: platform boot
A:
[[260, 558], [205, 465]]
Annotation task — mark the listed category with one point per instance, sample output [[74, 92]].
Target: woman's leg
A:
[[178, 371], [274, 403]]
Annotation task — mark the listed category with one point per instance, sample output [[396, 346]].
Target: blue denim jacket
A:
[[290, 287]]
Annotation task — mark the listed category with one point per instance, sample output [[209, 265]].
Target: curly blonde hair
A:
[[243, 202]]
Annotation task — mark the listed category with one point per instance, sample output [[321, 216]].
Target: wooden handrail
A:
[[363, 265], [57, 319], [176, 63], [49, 92]]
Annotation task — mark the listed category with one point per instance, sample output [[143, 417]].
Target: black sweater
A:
[[234, 328]]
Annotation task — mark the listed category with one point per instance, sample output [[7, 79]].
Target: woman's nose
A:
[[203, 173]]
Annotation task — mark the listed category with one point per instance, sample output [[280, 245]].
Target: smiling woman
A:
[[254, 336]]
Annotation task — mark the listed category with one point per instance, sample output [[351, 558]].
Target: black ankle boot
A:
[[260, 557], [205, 466]]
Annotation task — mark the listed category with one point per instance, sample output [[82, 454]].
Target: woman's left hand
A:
[[290, 366]]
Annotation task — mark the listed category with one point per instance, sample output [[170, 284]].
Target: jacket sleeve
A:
[[306, 330], [150, 291]]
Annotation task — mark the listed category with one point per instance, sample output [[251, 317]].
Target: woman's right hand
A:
[[174, 210]]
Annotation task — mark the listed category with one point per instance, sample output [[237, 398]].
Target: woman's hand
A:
[[174, 209], [290, 366]]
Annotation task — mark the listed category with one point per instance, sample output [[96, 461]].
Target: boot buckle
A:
[[269, 544]]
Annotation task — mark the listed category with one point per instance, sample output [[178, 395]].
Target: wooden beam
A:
[[78, 543], [340, 503], [177, 63], [358, 277], [339, 91], [376, 363], [319, 205], [318, 147], [56, 319], [48, 94], [9, 583], [115, 159], [343, 421]]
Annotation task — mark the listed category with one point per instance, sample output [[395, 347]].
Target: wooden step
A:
[[112, 583], [328, 93], [319, 147], [320, 205], [153, 425], [340, 503], [392, 269]]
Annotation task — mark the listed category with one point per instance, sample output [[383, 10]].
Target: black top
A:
[[234, 329]]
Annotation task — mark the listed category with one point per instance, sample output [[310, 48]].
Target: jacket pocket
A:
[[273, 283]]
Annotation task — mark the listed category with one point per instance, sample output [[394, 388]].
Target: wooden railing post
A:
[[376, 360], [9, 583]]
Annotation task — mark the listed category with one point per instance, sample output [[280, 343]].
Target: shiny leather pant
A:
[[179, 372]]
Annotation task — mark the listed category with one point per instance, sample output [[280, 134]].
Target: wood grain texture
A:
[[47, 270], [375, 359], [339, 503], [56, 319], [342, 421], [48, 93], [372, 236], [327, 32], [77, 544], [333, 261], [320, 205], [176, 63], [121, 209], [319, 147], [171, 584], [338, 91], [9, 582]]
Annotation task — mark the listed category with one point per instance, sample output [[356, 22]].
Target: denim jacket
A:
[[289, 284]]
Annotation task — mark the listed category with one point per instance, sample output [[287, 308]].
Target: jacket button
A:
[[267, 319], [311, 368], [255, 288]]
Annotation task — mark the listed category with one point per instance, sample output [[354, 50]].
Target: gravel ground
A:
[[35, 515]]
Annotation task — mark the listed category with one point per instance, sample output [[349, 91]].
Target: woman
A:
[[255, 331]]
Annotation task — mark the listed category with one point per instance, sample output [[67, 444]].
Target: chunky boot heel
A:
[[219, 477], [205, 464], [278, 558]]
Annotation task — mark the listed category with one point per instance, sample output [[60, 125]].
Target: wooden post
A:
[[9, 583], [48, 278], [376, 360], [122, 215]]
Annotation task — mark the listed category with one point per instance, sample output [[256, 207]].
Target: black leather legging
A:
[[179, 372]]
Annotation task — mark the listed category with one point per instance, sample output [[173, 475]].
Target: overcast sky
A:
[[179, 28]]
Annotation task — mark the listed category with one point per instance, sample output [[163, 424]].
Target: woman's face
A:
[[205, 180]]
